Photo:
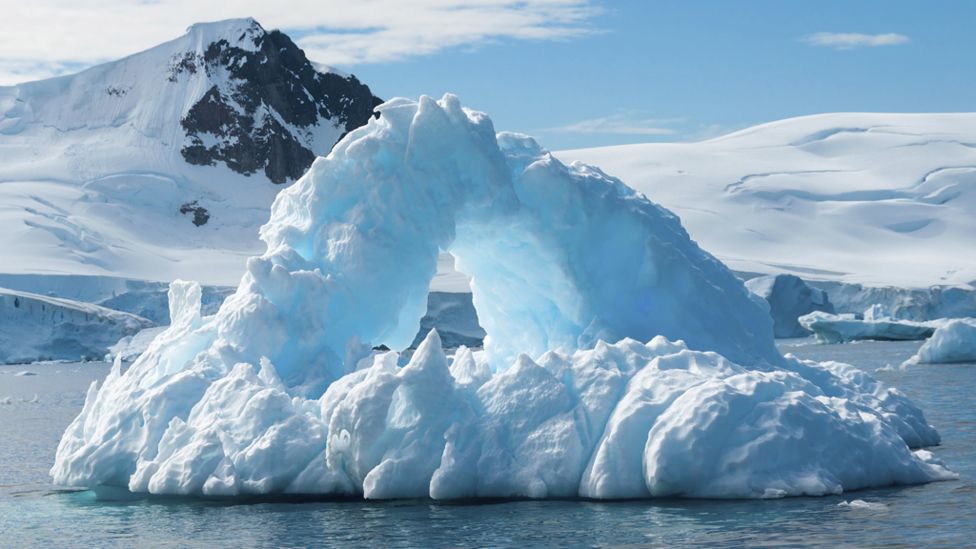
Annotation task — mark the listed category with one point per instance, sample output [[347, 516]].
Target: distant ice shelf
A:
[[35, 327]]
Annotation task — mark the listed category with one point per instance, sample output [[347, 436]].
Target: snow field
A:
[[880, 199]]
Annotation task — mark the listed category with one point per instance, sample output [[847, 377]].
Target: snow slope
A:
[[163, 164], [35, 327], [279, 392], [878, 199]]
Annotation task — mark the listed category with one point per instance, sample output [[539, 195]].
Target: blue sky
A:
[[575, 73], [698, 68]]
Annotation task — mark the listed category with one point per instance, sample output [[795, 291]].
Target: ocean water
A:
[[34, 409]]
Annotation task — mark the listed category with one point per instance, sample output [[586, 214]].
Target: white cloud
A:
[[43, 37], [619, 124], [20, 70], [851, 40]]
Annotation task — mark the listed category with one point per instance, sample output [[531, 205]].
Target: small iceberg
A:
[[874, 324], [860, 504], [954, 341]]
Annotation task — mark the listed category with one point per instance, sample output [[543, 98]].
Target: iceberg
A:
[[789, 298], [131, 347], [620, 359], [954, 341], [841, 328]]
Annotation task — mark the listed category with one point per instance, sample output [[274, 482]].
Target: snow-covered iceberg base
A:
[[626, 420]]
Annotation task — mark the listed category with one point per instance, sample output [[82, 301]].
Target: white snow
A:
[[953, 341], [280, 393], [92, 178], [831, 328], [35, 327], [874, 198], [789, 298], [468, 369]]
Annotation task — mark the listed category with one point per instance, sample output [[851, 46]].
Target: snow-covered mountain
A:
[[878, 199], [165, 163]]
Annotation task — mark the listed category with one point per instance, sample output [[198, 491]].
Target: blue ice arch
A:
[[621, 359]]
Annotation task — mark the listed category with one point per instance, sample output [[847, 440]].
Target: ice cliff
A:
[[620, 359], [36, 327]]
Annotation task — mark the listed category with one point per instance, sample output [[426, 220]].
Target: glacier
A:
[[918, 304], [621, 360], [36, 327], [876, 199]]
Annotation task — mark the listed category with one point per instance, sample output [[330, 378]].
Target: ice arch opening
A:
[[271, 395], [560, 256]]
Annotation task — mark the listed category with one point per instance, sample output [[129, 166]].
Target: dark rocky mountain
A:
[[163, 164], [267, 106]]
